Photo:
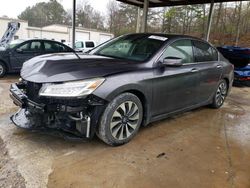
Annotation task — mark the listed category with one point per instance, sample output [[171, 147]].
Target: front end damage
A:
[[67, 117]]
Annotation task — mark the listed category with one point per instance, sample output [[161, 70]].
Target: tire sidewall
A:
[[104, 127], [4, 69]]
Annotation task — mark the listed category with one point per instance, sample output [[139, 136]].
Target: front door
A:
[[176, 88], [25, 52]]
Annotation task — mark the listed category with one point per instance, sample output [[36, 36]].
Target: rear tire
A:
[[3, 69], [220, 95], [121, 120]]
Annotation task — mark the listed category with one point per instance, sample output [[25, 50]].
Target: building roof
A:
[[12, 19], [163, 3]]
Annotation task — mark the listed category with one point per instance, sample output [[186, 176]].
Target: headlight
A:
[[71, 89]]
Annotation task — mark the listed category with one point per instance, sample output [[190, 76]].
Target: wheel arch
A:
[[6, 65], [144, 102], [141, 92], [227, 81]]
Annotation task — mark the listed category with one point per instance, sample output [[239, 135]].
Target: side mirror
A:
[[18, 50], [172, 61]]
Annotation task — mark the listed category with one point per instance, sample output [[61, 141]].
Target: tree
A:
[[43, 14], [87, 17]]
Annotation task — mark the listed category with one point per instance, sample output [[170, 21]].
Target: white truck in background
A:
[[84, 46]]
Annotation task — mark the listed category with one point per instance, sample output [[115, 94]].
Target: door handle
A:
[[218, 66], [194, 70]]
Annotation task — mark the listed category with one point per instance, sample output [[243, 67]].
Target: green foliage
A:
[[170, 13], [43, 14]]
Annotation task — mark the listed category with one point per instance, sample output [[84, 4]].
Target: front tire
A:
[[3, 69], [121, 120], [220, 94]]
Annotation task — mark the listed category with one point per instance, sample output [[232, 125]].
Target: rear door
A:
[[175, 88], [209, 67]]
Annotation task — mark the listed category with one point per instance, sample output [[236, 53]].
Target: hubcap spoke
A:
[[127, 131], [115, 123], [130, 104], [115, 132], [133, 126], [117, 115], [123, 108], [121, 133], [135, 116]]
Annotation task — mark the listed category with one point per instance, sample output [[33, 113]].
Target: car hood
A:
[[69, 67]]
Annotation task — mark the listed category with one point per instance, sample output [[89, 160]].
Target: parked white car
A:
[[84, 46]]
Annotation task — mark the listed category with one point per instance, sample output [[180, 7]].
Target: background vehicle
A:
[[125, 83], [84, 46], [240, 58], [242, 76], [17, 52]]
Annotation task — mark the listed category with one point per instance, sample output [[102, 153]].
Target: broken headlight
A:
[[71, 89]]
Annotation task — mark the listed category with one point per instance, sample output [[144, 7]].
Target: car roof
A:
[[47, 40], [169, 36]]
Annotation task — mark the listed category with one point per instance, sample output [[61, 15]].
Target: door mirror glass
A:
[[173, 61]]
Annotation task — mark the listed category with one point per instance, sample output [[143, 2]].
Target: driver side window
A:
[[180, 49]]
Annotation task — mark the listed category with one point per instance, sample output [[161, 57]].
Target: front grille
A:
[[32, 91]]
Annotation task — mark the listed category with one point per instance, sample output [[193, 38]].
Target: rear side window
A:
[[180, 49], [204, 52], [35, 46], [54, 47], [89, 44]]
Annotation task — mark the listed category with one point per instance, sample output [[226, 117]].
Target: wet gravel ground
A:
[[10, 177], [202, 148]]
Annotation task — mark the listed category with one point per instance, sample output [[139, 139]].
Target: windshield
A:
[[132, 47]]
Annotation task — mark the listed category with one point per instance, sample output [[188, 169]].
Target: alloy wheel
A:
[[125, 120], [221, 93]]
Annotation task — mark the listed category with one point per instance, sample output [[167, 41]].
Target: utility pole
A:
[[144, 16], [138, 23], [210, 17], [74, 24]]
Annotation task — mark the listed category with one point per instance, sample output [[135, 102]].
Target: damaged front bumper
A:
[[70, 118]]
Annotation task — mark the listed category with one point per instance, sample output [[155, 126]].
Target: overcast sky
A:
[[12, 8]]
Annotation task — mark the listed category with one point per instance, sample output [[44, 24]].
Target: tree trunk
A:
[[218, 16], [238, 25]]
